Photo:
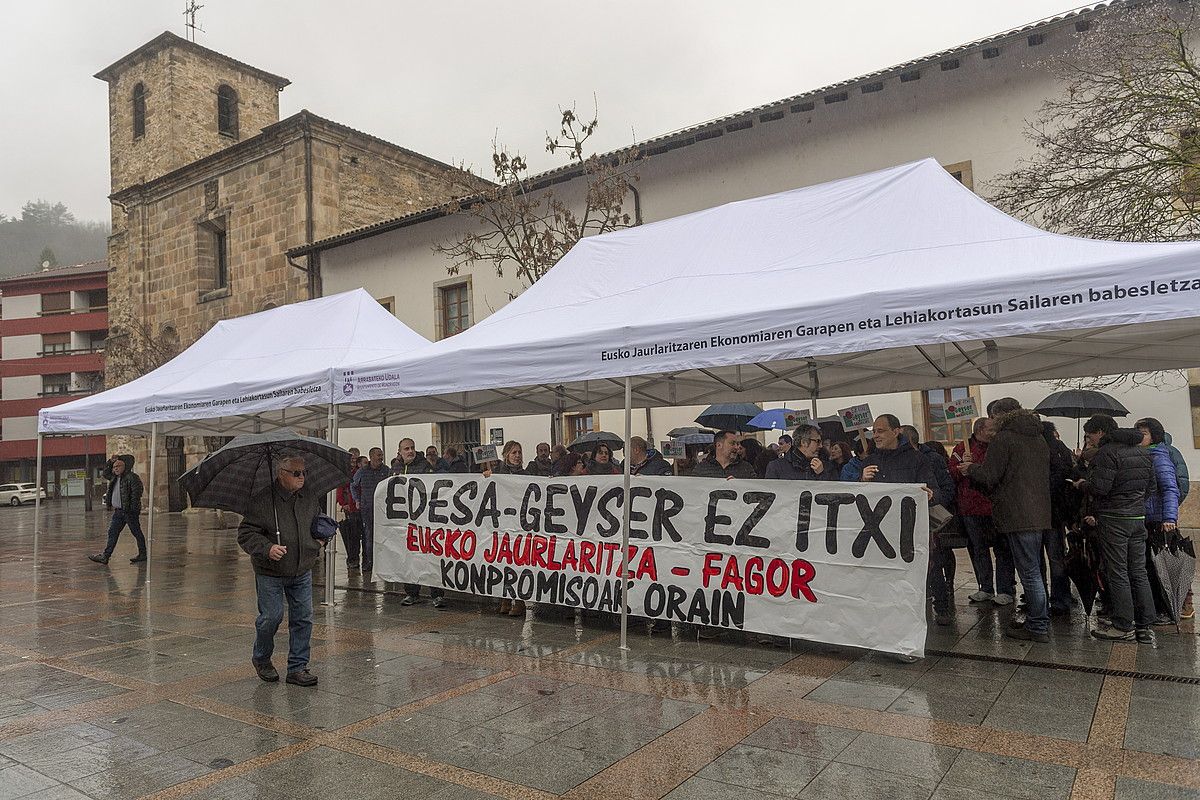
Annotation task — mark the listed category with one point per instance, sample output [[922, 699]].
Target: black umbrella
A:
[[1080, 404], [228, 478], [729, 416], [689, 430], [589, 440], [1084, 566], [1174, 561]]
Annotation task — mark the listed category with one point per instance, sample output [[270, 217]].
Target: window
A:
[[55, 343], [212, 255], [578, 424], [89, 382], [456, 312], [56, 384], [221, 258], [97, 299], [57, 303], [1189, 151], [963, 173], [389, 303], [227, 111], [936, 425], [139, 111]]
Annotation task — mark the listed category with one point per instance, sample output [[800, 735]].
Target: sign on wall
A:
[[496, 436], [840, 563]]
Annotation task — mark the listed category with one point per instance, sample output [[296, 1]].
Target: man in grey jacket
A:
[[276, 532]]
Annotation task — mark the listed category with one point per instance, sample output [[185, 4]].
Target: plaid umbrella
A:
[[1175, 564], [228, 478]]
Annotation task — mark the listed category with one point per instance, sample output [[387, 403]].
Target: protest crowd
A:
[[1023, 505]]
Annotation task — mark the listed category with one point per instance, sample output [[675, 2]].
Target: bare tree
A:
[[1118, 153], [133, 347], [524, 225]]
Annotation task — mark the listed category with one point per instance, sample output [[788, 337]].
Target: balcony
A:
[[67, 351], [61, 312]]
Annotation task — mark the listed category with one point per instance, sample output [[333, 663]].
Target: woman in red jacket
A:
[[975, 510]]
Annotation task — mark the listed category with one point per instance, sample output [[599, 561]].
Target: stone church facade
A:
[[210, 189]]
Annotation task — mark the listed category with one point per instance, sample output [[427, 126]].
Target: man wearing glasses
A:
[[802, 461], [277, 534]]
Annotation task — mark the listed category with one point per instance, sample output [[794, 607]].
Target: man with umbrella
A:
[[276, 533]]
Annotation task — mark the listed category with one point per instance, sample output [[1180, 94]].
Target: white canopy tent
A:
[[247, 374], [896, 280]]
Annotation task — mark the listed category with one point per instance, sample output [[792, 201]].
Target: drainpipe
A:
[[314, 280]]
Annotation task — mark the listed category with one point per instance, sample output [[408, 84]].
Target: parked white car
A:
[[15, 494]]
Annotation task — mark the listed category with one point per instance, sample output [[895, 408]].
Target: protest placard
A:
[[486, 452], [961, 409], [856, 418], [672, 449], [794, 419], [842, 563]]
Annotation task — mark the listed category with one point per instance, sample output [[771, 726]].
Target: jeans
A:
[[272, 591], [368, 540], [982, 540], [1027, 556], [413, 590], [352, 537], [938, 586], [119, 520], [1060, 585], [1124, 544]]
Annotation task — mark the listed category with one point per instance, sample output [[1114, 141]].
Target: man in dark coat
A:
[[723, 461], [276, 533], [542, 465], [802, 461], [125, 499], [362, 488], [645, 460], [1016, 476], [409, 462], [456, 464], [1119, 477], [896, 460]]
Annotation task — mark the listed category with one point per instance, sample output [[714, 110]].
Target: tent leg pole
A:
[[331, 550], [37, 499], [625, 518], [150, 523]]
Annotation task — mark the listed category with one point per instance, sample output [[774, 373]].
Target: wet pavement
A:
[[112, 688]]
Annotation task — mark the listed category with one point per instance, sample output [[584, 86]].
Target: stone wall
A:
[[181, 113]]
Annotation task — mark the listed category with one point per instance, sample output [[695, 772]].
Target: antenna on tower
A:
[[190, 8]]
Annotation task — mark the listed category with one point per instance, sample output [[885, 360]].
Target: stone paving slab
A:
[[111, 687]]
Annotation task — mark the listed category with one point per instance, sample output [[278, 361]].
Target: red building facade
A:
[[53, 324]]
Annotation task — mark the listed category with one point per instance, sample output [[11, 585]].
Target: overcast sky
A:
[[444, 77]]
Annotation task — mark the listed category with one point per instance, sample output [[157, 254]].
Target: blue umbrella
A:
[[775, 419], [729, 416]]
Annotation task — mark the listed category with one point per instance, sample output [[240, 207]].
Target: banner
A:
[[842, 563]]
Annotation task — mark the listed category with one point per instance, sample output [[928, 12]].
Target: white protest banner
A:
[[961, 409], [842, 563], [856, 418]]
